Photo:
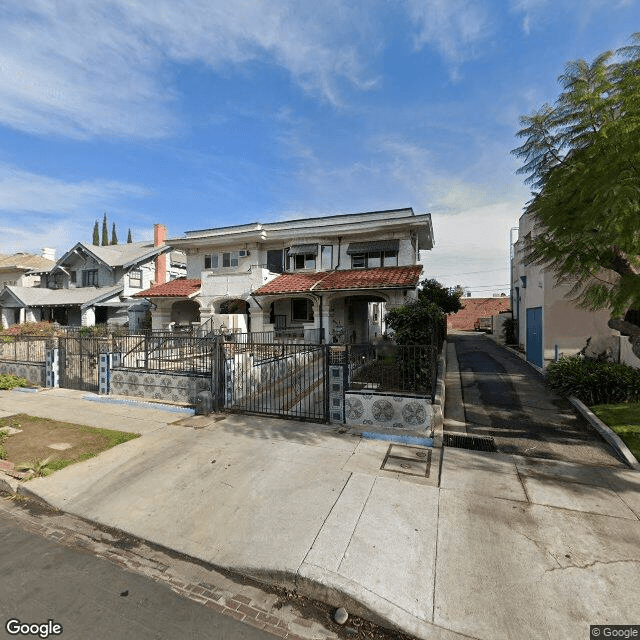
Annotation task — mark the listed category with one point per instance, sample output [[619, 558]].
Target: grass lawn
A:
[[624, 419], [33, 440]]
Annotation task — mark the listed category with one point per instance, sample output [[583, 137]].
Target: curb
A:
[[606, 432], [140, 403], [308, 581], [440, 396]]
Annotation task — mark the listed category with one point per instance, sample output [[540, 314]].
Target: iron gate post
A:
[[52, 367]]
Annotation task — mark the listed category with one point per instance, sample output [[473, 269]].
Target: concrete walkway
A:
[[503, 547]]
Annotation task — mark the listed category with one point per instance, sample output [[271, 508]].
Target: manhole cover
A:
[[463, 441], [402, 459]]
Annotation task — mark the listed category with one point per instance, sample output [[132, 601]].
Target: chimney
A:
[[159, 236], [49, 253]]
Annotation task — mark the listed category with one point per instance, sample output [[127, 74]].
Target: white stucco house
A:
[[330, 277], [549, 321], [91, 284]]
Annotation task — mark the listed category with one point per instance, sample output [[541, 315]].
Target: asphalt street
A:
[[93, 598], [506, 398]]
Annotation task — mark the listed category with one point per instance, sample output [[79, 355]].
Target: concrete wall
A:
[[169, 386], [388, 410], [32, 372]]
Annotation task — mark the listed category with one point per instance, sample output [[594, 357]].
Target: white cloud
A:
[[99, 67], [454, 28], [37, 210]]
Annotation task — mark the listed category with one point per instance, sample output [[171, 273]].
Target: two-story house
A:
[[91, 284], [331, 276]]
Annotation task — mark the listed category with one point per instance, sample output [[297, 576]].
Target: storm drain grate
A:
[[475, 443]]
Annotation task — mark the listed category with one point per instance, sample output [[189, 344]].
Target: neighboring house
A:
[[549, 323], [17, 269], [474, 308], [91, 284], [331, 276]]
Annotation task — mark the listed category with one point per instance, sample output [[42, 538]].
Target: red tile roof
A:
[[178, 288], [475, 308], [383, 278]]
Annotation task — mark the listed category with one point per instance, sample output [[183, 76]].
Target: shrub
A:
[[8, 381], [594, 382], [30, 328], [509, 331]]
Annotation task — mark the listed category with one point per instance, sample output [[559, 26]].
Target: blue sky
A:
[[200, 114]]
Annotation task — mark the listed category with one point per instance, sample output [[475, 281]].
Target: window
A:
[[73, 276], [275, 260], [390, 259], [135, 278], [230, 259], [373, 259], [304, 261], [90, 278], [301, 310], [211, 261], [326, 257]]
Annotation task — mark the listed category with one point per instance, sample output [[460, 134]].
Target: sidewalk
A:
[[504, 547]]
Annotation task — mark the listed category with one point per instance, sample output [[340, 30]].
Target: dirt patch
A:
[[39, 438]]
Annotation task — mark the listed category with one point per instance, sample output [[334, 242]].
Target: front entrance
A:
[[79, 361], [278, 379]]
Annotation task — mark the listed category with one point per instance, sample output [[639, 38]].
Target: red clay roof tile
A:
[[178, 288], [382, 278]]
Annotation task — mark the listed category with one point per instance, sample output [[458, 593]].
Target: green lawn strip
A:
[[623, 419], [107, 438]]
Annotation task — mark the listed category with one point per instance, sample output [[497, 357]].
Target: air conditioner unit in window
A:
[[242, 253]]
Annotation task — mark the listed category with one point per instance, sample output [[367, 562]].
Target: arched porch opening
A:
[[184, 314]]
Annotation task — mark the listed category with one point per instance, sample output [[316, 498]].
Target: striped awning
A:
[[303, 249], [374, 245]]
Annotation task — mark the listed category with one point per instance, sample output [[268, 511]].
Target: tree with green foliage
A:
[[447, 299], [105, 231], [423, 320], [129, 239], [582, 158], [96, 234], [114, 235]]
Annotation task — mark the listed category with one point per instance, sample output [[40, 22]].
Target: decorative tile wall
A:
[[410, 413], [170, 387], [32, 372]]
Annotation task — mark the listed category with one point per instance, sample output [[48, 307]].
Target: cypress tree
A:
[[105, 231], [96, 234], [129, 239], [114, 237]]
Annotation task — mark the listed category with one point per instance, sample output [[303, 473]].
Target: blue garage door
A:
[[534, 335]]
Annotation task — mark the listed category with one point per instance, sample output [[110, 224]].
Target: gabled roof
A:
[[118, 255], [81, 296], [343, 280], [24, 261], [178, 288]]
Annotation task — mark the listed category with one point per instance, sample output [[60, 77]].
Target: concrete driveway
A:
[[504, 547]]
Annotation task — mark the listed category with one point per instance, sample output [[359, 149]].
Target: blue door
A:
[[534, 335]]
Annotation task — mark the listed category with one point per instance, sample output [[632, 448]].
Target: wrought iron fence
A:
[[166, 352], [23, 348], [392, 367]]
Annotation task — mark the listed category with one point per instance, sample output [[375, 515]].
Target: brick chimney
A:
[[159, 236]]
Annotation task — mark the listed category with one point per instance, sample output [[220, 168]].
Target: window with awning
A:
[[373, 254]]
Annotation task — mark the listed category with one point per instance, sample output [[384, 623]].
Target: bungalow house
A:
[[91, 284], [329, 277], [17, 269]]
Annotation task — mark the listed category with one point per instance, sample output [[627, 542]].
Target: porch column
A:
[[7, 316], [161, 316], [22, 315], [30, 315], [88, 317]]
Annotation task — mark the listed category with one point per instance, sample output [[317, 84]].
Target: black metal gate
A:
[[79, 358], [278, 379]]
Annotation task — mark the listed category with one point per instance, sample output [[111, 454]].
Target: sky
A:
[[200, 113]]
